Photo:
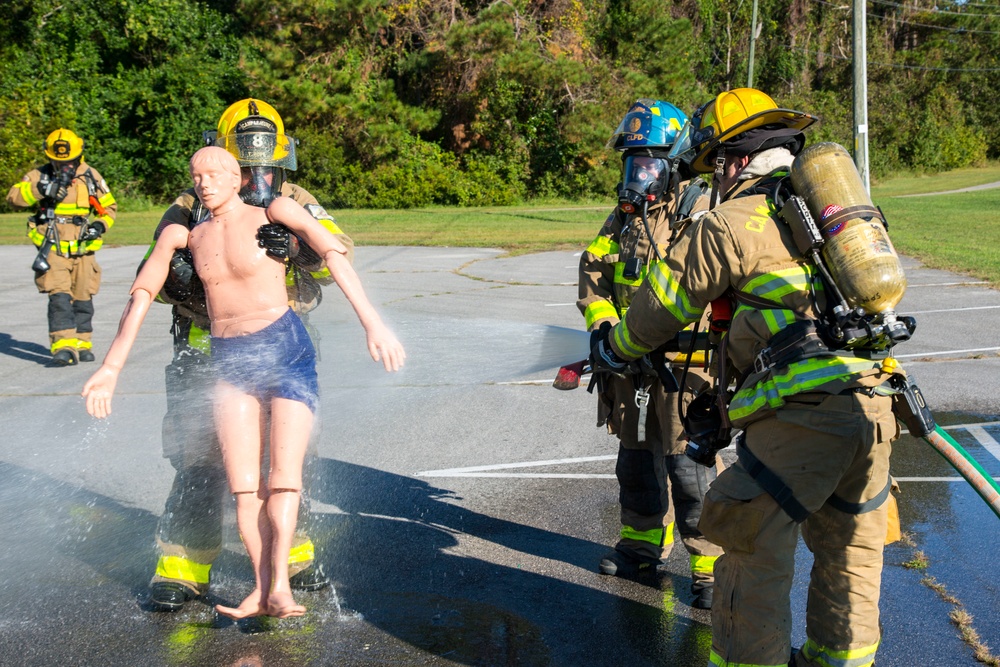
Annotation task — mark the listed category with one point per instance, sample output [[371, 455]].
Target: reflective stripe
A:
[[620, 278], [25, 189], [200, 339], [303, 553], [65, 342], [855, 657], [658, 536], [107, 200], [601, 246], [671, 295], [72, 209], [84, 345], [176, 567], [600, 310], [703, 563], [800, 376], [624, 342], [716, 660]]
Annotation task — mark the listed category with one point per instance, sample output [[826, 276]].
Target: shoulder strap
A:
[[695, 189]]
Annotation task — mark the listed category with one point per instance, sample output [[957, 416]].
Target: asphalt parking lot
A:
[[462, 505]]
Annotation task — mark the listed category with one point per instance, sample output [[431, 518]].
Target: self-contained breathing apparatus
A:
[[861, 276]]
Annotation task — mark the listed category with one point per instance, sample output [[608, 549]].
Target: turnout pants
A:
[[189, 533], [832, 451], [71, 283], [652, 470]]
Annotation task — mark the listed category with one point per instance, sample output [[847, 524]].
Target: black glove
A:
[[278, 241], [179, 285], [602, 357], [53, 190], [92, 231]]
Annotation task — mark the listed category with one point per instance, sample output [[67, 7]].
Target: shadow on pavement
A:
[[23, 350]]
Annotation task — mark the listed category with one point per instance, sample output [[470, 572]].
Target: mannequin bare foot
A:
[[283, 605], [251, 606]]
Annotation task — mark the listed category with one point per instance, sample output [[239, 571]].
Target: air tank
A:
[[857, 249]]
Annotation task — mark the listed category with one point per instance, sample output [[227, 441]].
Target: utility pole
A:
[[754, 34], [860, 37]]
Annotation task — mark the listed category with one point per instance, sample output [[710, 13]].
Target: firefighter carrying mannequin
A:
[[74, 210], [189, 533], [651, 467], [816, 424]]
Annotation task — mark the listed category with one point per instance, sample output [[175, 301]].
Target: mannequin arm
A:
[[100, 388]]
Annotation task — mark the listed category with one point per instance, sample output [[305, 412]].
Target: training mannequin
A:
[[264, 360]]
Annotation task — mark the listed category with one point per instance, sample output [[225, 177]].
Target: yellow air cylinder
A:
[[857, 249]]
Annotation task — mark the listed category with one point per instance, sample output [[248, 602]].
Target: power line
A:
[[904, 21], [895, 65], [933, 10]]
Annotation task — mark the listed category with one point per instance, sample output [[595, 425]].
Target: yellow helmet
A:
[[727, 121], [252, 130], [63, 146]]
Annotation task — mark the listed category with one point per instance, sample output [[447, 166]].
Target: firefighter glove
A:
[[92, 231], [602, 357], [278, 241], [52, 190]]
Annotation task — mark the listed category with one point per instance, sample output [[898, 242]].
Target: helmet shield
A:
[[260, 149], [648, 123], [645, 179], [261, 185]]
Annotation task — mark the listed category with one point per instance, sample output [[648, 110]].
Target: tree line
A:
[[400, 103]]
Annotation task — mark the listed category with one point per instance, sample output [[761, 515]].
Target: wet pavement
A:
[[461, 506]]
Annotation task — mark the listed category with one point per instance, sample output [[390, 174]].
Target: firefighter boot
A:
[[313, 578], [620, 563], [85, 355], [64, 357], [702, 591], [168, 596]]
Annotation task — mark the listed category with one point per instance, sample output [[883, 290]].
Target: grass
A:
[[959, 232]]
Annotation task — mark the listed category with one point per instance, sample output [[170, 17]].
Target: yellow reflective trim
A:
[[622, 280], [107, 200], [716, 660], [799, 377], [65, 342], [302, 553], [703, 563], [601, 246], [821, 655], [200, 339], [623, 341], [71, 209], [25, 189], [84, 345], [36, 236], [653, 536], [176, 567], [600, 310], [671, 295]]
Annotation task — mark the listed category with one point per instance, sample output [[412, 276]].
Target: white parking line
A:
[[938, 354], [496, 470], [950, 310], [985, 439]]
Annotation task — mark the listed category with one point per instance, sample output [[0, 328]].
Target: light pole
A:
[[861, 92], [754, 34]]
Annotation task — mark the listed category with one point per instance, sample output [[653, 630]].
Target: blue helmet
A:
[[648, 124]]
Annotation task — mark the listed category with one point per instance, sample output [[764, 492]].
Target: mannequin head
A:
[[217, 179]]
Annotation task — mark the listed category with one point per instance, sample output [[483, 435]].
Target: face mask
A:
[[645, 180]]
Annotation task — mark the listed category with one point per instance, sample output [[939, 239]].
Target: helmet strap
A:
[[720, 166]]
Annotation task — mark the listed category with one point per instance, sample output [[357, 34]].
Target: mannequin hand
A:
[[382, 345], [99, 389]]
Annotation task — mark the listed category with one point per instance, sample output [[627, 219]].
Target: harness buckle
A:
[[763, 362], [641, 398]]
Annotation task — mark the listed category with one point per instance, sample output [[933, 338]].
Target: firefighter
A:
[[189, 533], [75, 209], [816, 427], [651, 465]]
